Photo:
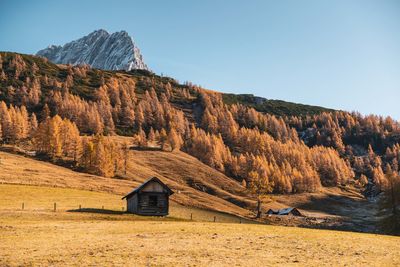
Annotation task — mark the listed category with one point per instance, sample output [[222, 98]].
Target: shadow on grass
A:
[[145, 148], [129, 217], [98, 211], [226, 218]]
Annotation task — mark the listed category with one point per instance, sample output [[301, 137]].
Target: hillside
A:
[[274, 107], [87, 87], [197, 186], [191, 190], [233, 150]]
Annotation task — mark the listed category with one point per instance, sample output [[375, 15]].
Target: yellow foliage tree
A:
[[260, 186]]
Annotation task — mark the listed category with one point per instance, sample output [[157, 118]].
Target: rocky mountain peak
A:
[[99, 49]]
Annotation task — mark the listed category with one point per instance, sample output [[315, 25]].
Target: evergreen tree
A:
[[174, 140], [151, 137], [391, 202], [163, 138], [103, 163], [45, 112], [33, 124], [5, 121], [125, 151], [140, 139], [260, 186]]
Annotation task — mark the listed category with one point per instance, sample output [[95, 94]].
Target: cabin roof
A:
[[283, 211], [152, 179]]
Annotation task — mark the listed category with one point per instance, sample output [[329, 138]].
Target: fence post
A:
[[55, 206], [102, 207], [23, 205], [191, 216], [80, 207], [214, 218]]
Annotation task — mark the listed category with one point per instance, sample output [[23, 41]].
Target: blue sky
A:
[[342, 54]]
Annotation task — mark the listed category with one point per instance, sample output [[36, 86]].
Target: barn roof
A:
[[283, 211], [140, 187]]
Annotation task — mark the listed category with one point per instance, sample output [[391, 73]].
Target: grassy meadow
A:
[[40, 199], [38, 236]]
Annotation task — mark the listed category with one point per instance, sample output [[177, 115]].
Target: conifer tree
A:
[[151, 137], [24, 122], [47, 138], [3, 76], [139, 116], [33, 124], [87, 158], [363, 180], [163, 138], [174, 140], [125, 151], [70, 139], [103, 164], [45, 112], [34, 94], [156, 136], [55, 148], [140, 138], [392, 189], [391, 202], [5, 121], [260, 186]]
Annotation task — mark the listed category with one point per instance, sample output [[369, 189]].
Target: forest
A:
[[68, 113]]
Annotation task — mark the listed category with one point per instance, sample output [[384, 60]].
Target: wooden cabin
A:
[[287, 211], [150, 198]]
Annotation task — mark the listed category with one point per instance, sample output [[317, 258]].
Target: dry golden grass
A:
[[175, 169], [42, 199], [39, 237], [17, 169], [200, 185], [195, 185]]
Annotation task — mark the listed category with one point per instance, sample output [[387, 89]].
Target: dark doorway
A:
[[153, 201]]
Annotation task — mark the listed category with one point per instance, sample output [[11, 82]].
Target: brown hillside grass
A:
[[41, 199], [174, 168], [194, 183]]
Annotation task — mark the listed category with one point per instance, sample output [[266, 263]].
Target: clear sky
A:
[[342, 54]]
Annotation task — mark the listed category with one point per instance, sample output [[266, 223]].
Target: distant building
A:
[[287, 211], [150, 198]]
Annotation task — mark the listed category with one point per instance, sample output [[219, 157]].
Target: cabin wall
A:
[[145, 208], [132, 204]]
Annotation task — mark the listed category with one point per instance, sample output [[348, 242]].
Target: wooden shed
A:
[[287, 211], [150, 198]]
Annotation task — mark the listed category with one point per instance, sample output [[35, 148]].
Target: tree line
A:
[[286, 154]]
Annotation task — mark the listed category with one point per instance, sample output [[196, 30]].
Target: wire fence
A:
[[192, 216]]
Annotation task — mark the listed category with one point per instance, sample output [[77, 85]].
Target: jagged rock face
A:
[[100, 50]]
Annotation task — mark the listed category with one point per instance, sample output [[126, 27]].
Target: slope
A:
[[198, 186], [87, 87], [115, 96], [170, 167]]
